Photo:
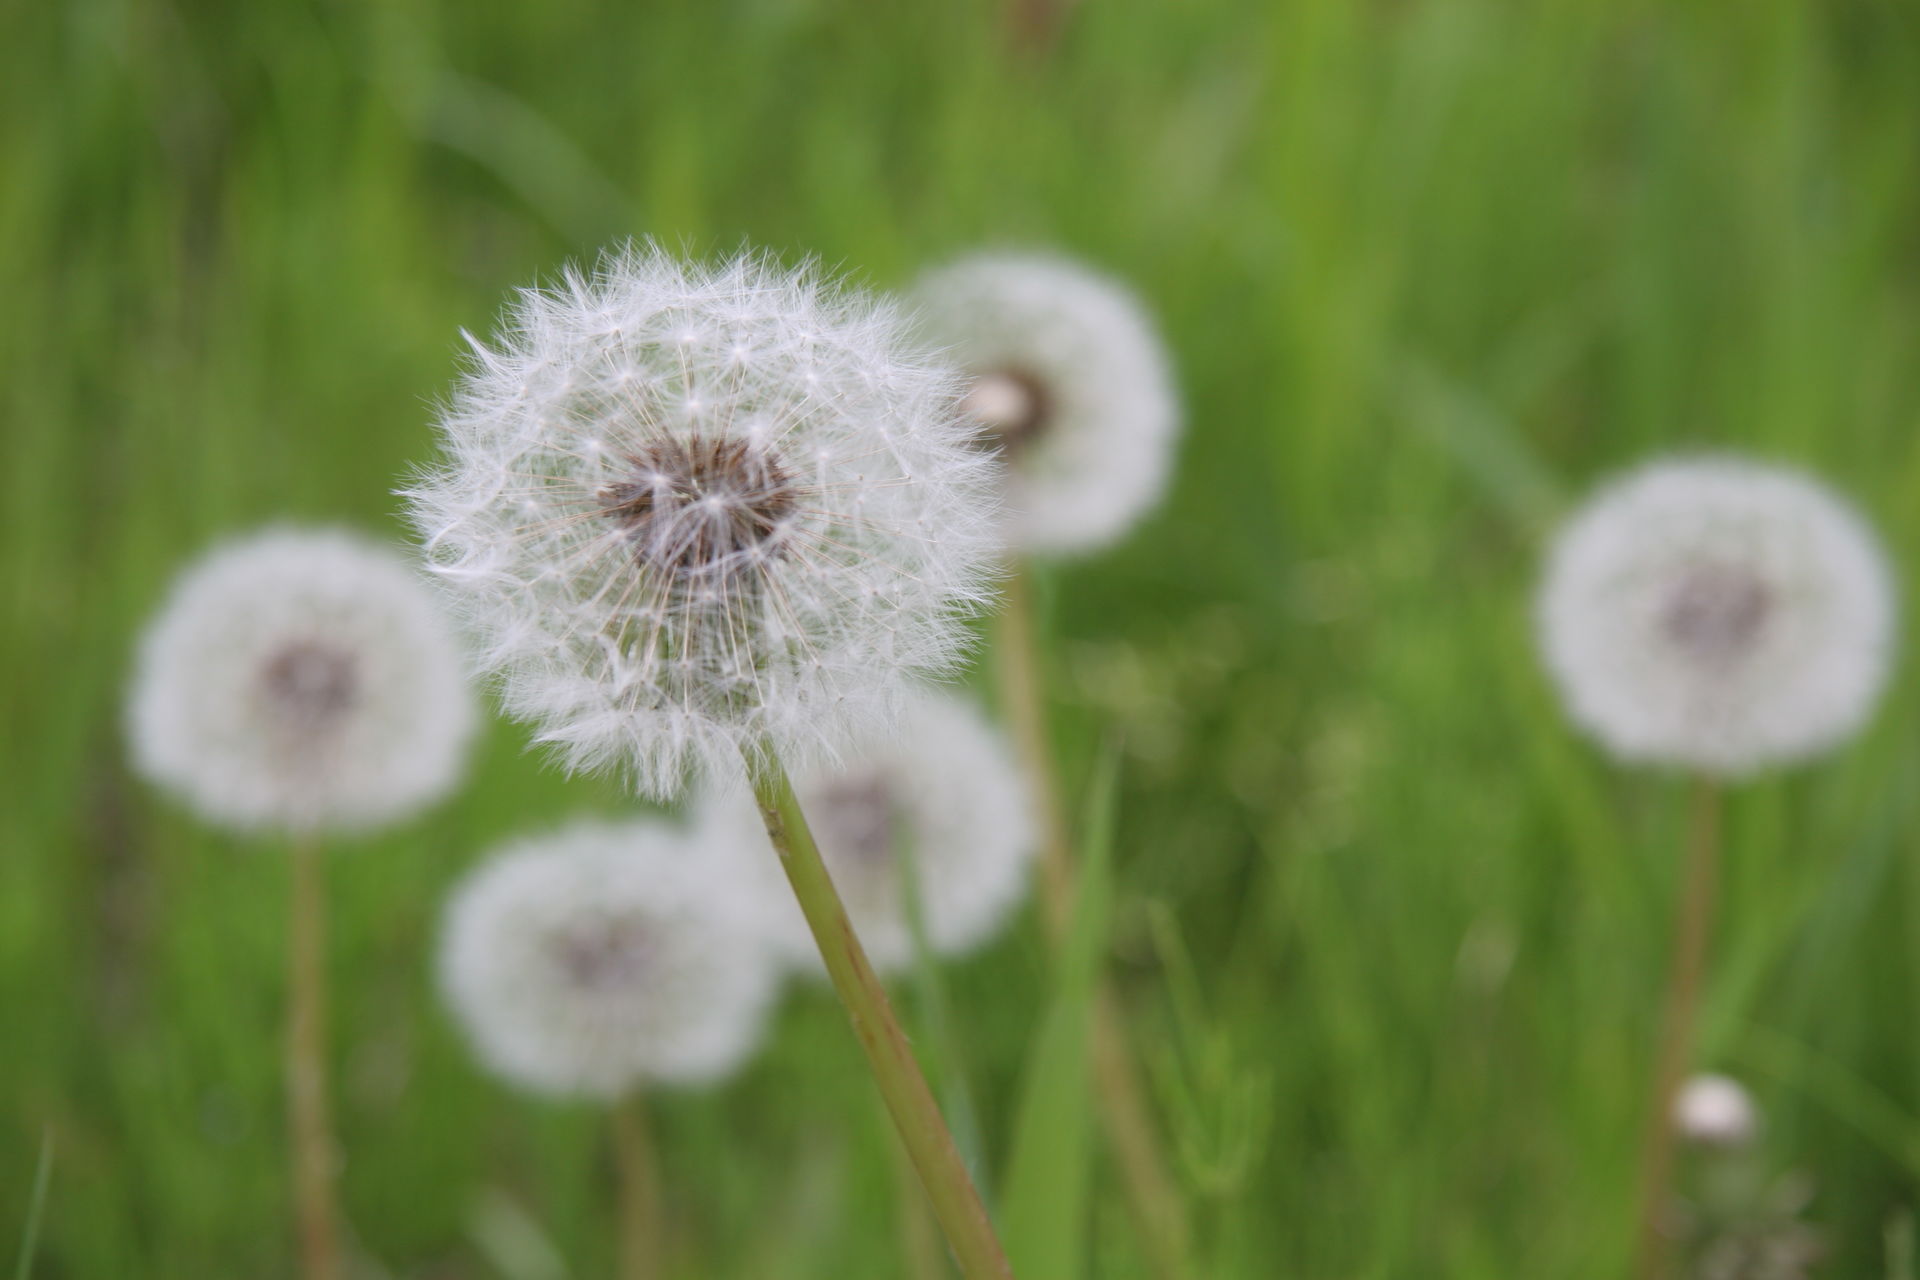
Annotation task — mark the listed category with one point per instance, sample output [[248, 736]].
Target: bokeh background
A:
[[1390, 935]]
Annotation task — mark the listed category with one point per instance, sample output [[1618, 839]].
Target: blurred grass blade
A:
[[509, 1238], [36, 1207], [1483, 443], [1900, 1247], [1044, 1212], [933, 1022]]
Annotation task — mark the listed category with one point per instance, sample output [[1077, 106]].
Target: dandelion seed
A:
[[1719, 614], [1069, 382], [946, 793], [1715, 1111], [606, 957], [301, 680], [757, 518]]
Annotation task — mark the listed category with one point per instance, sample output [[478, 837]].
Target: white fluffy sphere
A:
[[697, 511], [1715, 1111], [604, 957], [1718, 614], [946, 790], [1071, 380], [301, 680]]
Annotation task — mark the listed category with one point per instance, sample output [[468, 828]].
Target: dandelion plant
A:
[[1069, 383], [603, 959], [1718, 616], [699, 516], [302, 683]]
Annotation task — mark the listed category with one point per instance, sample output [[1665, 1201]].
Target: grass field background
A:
[[1390, 935]]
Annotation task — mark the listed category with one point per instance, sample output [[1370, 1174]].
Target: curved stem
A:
[[1132, 1136], [308, 1119], [1692, 926], [641, 1222], [929, 1145]]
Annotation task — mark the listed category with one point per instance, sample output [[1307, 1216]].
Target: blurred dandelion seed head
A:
[[1715, 1111], [1069, 382], [692, 510], [301, 680], [1718, 614], [945, 791], [604, 957]]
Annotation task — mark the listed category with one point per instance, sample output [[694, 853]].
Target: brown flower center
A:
[[1715, 612], [696, 506], [604, 955], [1011, 407], [311, 684], [858, 820]]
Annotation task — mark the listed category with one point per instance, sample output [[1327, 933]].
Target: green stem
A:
[[308, 1116], [641, 1222], [1133, 1139], [915, 1114], [1692, 926]]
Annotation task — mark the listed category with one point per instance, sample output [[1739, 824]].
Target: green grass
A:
[[1391, 933]]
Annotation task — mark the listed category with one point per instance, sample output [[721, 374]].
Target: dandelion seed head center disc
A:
[[858, 819], [311, 684], [690, 506], [1011, 407], [1715, 612], [604, 955]]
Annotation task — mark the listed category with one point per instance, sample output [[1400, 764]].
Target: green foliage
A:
[[1043, 1211], [1429, 267]]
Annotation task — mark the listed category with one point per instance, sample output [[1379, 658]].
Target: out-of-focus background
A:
[[1389, 933]]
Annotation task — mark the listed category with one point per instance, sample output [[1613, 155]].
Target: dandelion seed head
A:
[[1718, 614], [1715, 1111], [691, 510], [944, 791], [1068, 381], [300, 680], [605, 957]]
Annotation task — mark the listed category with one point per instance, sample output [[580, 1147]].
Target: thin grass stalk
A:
[[920, 1243], [935, 1022], [1692, 928], [1132, 1136], [956, 1204], [642, 1246], [309, 1121], [36, 1207]]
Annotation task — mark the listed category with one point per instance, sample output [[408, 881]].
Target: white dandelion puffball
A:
[[607, 956], [301, 680], [1719, 614], [1715, 1111], [1070, 381], [690, 511], [945, 791]]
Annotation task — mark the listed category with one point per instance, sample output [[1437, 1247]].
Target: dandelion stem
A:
[[1693, 922], [1132, 1137], [314, 1163], [919, 1235], [929, 1145], [641, 1222]]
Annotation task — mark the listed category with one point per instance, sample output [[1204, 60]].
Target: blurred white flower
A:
[[1715, 1111], [1070, 380], [691, 511], [1719, 614], [604, 957], [945, 792], [301, 680]]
